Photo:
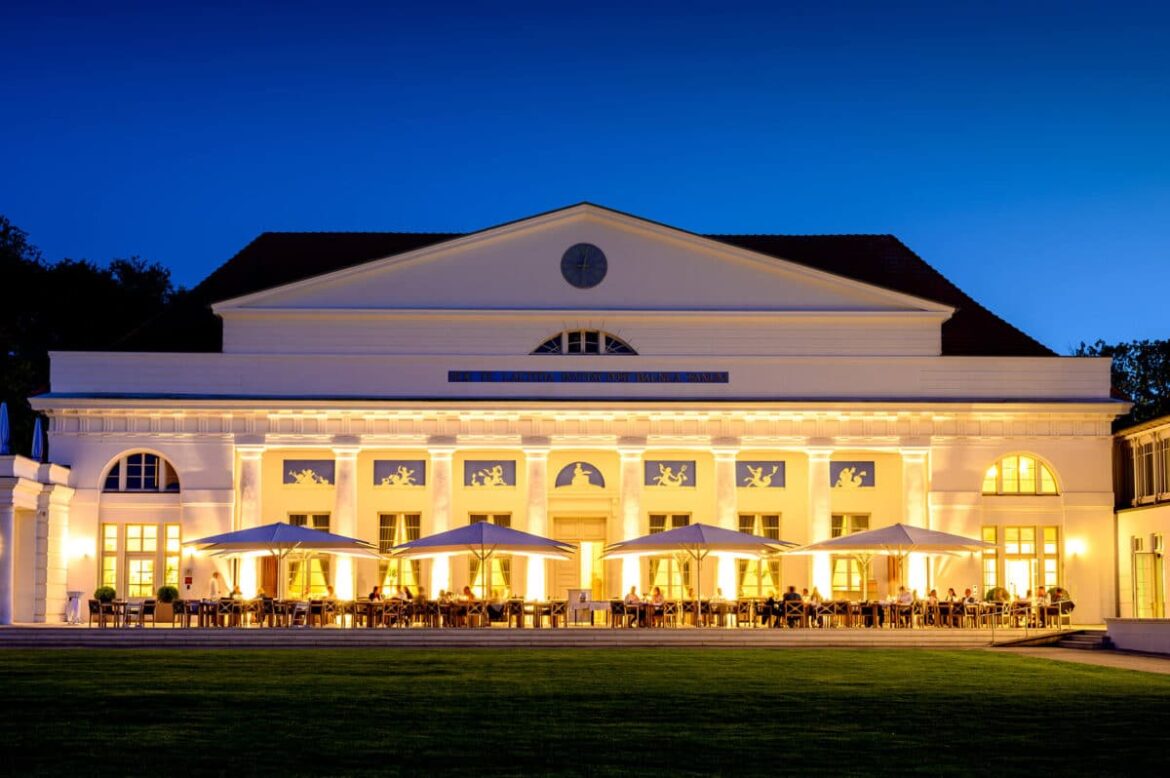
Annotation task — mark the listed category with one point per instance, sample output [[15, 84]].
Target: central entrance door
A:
[[586, 570]]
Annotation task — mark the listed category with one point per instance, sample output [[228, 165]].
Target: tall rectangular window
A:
[[1030, 559], [499, 572], [316, 582], [665, 572], [759, 578], [990, 559], [132, 557], [848, 581], [395, 529]]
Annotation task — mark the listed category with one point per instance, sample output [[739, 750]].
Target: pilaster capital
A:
[[535, 446], [725, 448], [346, 446], [441, 446], [631, 447]]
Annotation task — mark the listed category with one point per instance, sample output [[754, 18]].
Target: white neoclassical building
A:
[[583, 374]]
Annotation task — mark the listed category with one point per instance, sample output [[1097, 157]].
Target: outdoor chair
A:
[[96, 612], [558, 613], [476, 614], [745, 613], [670, 613], [316, 613], [266, 613], [618, 614], [823, 614], [793, 614], [969, 615], [148, 612]]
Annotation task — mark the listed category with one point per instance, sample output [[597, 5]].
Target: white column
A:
[[536, 459], [249, 512], [725, 510], [344, 518], [52, 560], [440, 480], [631, 508], [915, 503], [820, 508], [7, 560]]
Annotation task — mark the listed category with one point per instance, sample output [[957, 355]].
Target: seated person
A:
[[969, 598], [330, 595], [236, 593], [376, 594], [905, 603], [468, 595], [951, 596], [791, 597], [632, 597]]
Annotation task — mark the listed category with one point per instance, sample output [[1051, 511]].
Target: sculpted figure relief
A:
[[667, 477], [757, 479]]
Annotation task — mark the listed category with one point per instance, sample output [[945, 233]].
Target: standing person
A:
[[216, 588]]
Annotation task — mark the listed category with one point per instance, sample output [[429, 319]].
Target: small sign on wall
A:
[[580, 475], [851, 475], [489, 473], [400, 472], [671, 473], [309, 472], [759, 474]]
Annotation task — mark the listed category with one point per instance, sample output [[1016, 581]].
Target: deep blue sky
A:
[[1022, 148]]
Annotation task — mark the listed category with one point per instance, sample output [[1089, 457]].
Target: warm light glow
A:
[[343, 584], [536, 583], [440, 575], [1074, 547], [80, 547]]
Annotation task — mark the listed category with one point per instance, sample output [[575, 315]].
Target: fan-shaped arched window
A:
[[584, 342], [141, 472], [1019, 474]]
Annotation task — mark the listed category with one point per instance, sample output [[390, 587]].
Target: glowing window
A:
[[1019, 474]]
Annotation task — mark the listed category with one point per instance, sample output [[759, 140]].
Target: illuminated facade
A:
[[1143, 518], [590, 376]]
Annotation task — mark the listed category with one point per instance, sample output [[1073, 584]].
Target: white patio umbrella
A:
[[280, 540], [896, 540], [697, 541], [482, 540]]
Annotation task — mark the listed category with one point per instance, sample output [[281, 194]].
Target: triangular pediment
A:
[[517, 266]]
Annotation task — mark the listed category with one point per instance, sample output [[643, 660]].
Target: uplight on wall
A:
[[1074, 547], [80, 547]]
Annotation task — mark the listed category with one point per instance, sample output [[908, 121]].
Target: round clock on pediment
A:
[[583, 265]]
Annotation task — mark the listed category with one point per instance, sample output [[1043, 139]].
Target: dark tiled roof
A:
[[276, 258]]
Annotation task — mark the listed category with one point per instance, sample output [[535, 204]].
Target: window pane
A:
[[110, 571], [989, 480], [173, 539], [574, 341], [657, 523], [1027, 475], [171, 574], [989, 536], [770, 526], [1009, 467], [149, 538], [747, 523], [133, 537], [1050, 541], [110, 537], [592, 342], [1047, 482], [140, 578], [1027, 540], [113, 483], [1011, 540]]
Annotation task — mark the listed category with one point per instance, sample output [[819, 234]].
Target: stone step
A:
[[1087, 641], [73, 637]]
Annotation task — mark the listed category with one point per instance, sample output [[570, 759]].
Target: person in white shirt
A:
[[216, 588]]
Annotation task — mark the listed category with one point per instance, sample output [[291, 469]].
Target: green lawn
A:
[[607, 711]]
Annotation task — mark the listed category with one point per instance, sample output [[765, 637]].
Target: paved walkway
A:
[[1116, 659]]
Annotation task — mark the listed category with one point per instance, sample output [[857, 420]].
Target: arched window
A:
[[584, 342], [141, 472], [1019, 474]]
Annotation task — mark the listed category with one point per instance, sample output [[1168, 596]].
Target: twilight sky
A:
[[1021, 148]]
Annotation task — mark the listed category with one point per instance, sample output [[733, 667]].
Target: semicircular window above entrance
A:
[[584, 342]]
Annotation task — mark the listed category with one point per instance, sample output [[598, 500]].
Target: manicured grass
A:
[[666, 712]]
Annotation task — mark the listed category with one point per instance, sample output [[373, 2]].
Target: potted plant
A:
[[105, 594], [164, 610], [997, 594]]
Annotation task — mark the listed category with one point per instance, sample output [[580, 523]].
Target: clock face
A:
[[583, 265]]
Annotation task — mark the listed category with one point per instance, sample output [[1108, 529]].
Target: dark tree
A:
[[68, 305], [1141, 371]]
